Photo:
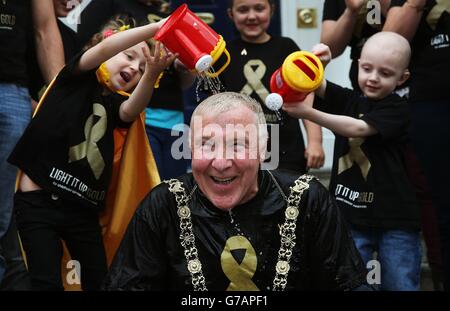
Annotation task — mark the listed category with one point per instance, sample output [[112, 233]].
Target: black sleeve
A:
[[333, 9], [116, 100], [335, 100], [140, 263], [68, 71], [336, 263], [389, 117]]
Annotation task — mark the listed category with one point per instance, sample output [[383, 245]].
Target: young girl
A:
[[165, 109], [256, 55], [67, 151]]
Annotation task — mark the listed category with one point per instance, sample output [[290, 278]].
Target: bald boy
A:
[[368, 178]]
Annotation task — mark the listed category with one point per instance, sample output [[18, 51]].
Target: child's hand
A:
[[323, 52], [314, 155], [161, 59], [300, 110], [354, 5]]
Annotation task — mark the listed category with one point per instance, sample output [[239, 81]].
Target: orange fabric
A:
[[134, 175]]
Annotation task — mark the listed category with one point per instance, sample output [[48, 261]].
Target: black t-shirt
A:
[[15, 27], [430, 62], [332, 10], [368, 177], [68, 147], [169, 95], [249, 72]]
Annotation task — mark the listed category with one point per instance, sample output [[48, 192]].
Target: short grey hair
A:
[[223, 102]]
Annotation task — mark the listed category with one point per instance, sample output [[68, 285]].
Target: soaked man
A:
[[230, 225]]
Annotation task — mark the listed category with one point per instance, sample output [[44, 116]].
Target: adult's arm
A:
[[338, 33], [405, 19], [49, 46]]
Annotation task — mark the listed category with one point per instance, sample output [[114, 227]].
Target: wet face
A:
[[127, 67], [225, 160], [63, 7], [381, 70], [251, 18]]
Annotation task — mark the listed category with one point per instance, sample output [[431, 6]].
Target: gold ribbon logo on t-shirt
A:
[[436, 12], [254, 71], [239, 274], [93, 133], [355, 156]]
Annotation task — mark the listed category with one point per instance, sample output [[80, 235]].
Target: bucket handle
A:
[[218, 72]]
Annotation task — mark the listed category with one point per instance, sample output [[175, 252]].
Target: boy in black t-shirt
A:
[[66, 153], [369, 179]]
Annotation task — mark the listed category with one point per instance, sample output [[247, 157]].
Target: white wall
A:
[[306, 38]]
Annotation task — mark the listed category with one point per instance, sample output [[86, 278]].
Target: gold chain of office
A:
[[287, 232]]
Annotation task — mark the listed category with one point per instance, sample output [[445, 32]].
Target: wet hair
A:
[[114, 25], [220, 103], [231, 2]]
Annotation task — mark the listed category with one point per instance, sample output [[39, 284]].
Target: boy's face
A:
[[381, 70], [127, 67]]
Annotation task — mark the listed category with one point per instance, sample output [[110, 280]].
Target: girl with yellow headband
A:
[[66, 153]]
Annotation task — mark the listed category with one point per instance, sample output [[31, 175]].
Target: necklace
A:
[[287, 231]]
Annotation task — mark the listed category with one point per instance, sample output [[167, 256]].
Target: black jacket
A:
[[151, 256]]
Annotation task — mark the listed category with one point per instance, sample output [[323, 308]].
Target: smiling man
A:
[[230, 225]]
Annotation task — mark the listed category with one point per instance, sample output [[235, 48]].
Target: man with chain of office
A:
[[230, 225]]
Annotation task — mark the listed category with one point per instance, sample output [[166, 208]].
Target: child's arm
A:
[[138, 100], [116, 43], [341, 125], [314, 154]]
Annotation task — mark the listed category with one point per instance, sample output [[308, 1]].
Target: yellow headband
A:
[[103, 78]]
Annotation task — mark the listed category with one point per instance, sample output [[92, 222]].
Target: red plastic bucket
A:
[[198, 46]]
